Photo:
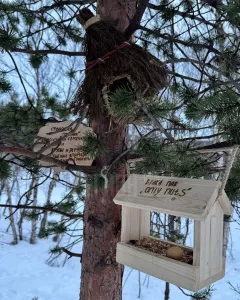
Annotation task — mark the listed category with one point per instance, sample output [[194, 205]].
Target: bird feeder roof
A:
[[183, 197]]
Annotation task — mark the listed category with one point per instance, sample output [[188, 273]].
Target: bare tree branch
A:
[[45, 158], [46, 8], [48, 51], [137, 18], [44, 208], [170, 38], [66, 2], [71, 254], [162, 7]]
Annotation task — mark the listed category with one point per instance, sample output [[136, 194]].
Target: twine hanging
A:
[[109, 56]]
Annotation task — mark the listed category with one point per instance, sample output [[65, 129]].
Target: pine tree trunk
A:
[[34, 222], [101, 277]]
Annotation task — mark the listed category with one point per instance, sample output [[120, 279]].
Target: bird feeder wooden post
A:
[[196, 199]]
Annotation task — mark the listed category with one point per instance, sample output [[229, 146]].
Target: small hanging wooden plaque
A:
[[62, 141]]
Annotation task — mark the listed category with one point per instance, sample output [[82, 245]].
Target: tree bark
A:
[[101, 277], [33, 237], [120, 12]]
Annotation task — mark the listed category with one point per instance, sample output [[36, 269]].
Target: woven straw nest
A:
[[109, 60]]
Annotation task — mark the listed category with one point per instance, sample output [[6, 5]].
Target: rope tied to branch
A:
[[228, 168], [102, 59]]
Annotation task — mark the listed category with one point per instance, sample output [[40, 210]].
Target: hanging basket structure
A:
[[111, 61], [196, 199]]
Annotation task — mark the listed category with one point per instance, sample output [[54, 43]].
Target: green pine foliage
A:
[[123, 105], [5, 85], [121, 102], [96, 182], [67, 206], [5, 170], [22, 122], [79, 190], [54, 227], [93, 146], [204, 294], [56, 250], [36, 60], [233, 184], [30, 164], [232, 10], [8, 39], [176, 160], [53, 104], [223, 107], [32, 214]]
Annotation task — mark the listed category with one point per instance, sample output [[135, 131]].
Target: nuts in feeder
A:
[[175, 252]]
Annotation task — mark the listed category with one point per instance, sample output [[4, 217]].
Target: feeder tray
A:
[[161, 247]]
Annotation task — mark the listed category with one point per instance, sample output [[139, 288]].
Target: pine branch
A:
[[172, 39], [48, 51], [21, 80], [175, 74], [157, 124], [225, 144], [162, 8], [71, 254], [49, 159], [57, 4], [44, 208], [200, 137]]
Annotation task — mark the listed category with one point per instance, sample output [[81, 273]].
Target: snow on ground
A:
[[24, 273]]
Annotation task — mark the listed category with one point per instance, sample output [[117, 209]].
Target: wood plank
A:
[[144, 223], [130, 224], [211, 257], [205, 248], [216, 255], [183, 197], [175, 272], [225, 204], [141, 204], [210, 280], [197, 243], [135, 223]]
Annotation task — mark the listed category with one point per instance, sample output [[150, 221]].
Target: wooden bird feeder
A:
[[196, 199]]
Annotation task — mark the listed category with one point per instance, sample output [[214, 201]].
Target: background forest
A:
[[42, 67]]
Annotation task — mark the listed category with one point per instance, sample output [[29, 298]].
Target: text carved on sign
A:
[[63, 142], [155, 188]]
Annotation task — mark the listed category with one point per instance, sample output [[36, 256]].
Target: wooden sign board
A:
[[68, 148], [184, 197]]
